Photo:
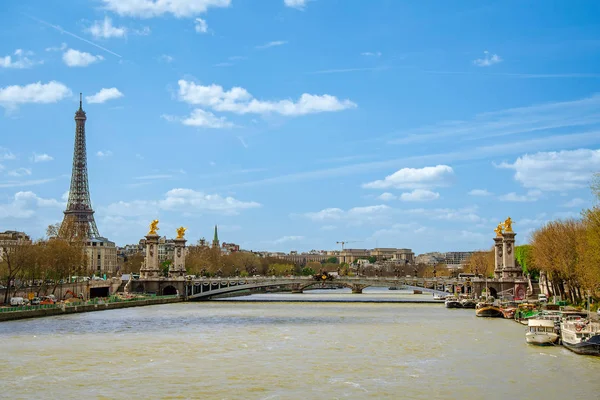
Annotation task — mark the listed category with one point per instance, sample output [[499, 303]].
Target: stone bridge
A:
[[205, 288]]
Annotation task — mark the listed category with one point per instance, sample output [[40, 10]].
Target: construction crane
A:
[[347, 241]]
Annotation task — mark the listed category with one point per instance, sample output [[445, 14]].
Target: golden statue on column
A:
[[153, 227], [508, 225], [181, 232], [498, 230]]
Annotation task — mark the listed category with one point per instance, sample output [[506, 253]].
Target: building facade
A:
[[457, 259], [101, 256], [430, 258], [12, 238]]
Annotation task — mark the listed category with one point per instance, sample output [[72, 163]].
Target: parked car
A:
[[542, 298], [17, 301], [36, 301]]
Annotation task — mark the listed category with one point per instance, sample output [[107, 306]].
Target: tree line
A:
[[45, 261]]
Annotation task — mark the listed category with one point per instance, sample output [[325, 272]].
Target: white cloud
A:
[[188, 199], [415, 178], [6, 154], [19, 172], [532, 195], [239, 100], [75, 58], [44, 93], [104, 95], [272, 44], [466, 214], [297, 4], [387, 196], [479, 192], [200, 25], [156, 8], [201, 118], [24, 205], [285, 239], [104, 154], [419, 195], [41, 157], [183, 201], [371, 54], [556, 171], [62, 47], [353, 216], [106, 30], [575, 202], [145, 31], [487, 60], [20, 61], [325, 214], [166, 58], [11, 184]]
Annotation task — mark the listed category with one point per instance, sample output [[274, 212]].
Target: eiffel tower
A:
[[79, 211]]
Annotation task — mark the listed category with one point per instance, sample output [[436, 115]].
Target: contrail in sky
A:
[[61, 30]]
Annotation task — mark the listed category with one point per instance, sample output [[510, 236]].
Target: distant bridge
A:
[[205, 288], [201, 289]]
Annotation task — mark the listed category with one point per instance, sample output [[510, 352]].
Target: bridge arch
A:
[[169, 290]]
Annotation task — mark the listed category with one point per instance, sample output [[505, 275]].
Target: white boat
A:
[[439, 297], [581, 336], [541, 331], [453, 302]]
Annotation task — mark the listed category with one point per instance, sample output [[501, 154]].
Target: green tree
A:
[[307, 271], [164, 267], [524, 257]]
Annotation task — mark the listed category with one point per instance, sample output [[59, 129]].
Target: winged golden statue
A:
[[508, 225], [153, 227], [181, 232], [498, 229]]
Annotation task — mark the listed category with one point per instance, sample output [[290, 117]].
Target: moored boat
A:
[[509, 309], [541, 332], [525, 311], [453, 302], [581, 336], [439, 297], [468, 303], [488, 309]]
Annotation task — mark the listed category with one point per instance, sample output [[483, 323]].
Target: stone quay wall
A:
[[47, 312]]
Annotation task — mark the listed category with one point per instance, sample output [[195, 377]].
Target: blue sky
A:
[[295, 124]]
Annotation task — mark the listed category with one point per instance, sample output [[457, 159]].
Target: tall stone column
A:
[[510, 270], [498, 259], [151, 268], [177, 268]]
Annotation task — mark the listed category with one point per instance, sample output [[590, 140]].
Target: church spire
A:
[[215, 242]]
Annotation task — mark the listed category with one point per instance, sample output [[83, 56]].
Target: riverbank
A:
[[63, 309], [250, 300]]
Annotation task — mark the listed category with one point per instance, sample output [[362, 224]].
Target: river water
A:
[[284, 350]]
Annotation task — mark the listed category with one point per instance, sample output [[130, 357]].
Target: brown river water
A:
[[285, 350]]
